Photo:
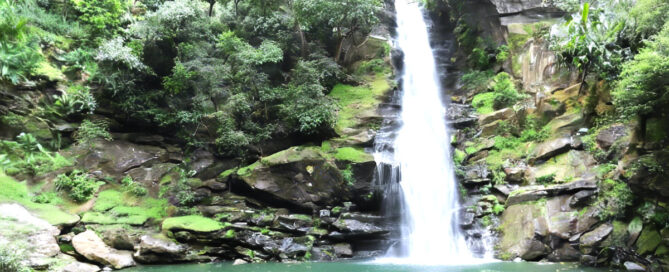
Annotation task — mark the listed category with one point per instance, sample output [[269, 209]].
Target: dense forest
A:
[[203, 125]]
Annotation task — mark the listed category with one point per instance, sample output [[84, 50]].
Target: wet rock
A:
[[561, 224], [154, 250], [351, 229], [515, 173], [565, 253], [632, 266], [323, 253], [537, 192], [215, 186], [118, 239], [80, 267], [89, 245], [588, 260], [566, 124], [593, 238], [502, 114], [294, 247], [239, 262], [343, 250], [117, 157], [154, 173], [467, 219], [475, 175], [294, 222]]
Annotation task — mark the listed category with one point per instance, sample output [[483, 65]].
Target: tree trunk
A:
[[303, 40], [585, 74], [211, 8], [340, 44]]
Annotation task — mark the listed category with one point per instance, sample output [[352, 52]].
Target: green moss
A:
[[47, 70], [326, 146], [114, 207], [355, 101], [194, 223], [459, 156], [16, 192], [246, 171], [227, 173], [353, 155], [483, 102]]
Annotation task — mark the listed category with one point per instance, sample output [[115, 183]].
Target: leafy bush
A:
[[27, 156], [348, 176], [505, 92], [546, 179], [133, 187], [372, 66], [11, 260], [476, 80], [77, 99], [47, 198], [614, 198], [102, 16], [89, 130], [502, 53], [79, 185], [19, 54]]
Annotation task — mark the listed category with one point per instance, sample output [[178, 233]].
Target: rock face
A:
[[89, 245], [153, 250]]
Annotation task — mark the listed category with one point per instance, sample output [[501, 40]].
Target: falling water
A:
[[421, 151]]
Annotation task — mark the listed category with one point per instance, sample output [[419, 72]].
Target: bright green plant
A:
[[89, 130], [505, 91], [546, 179], [348, 176], [103, 16], [19, 54], [133, 187], [77, 99], [613, 199], [79, 185]]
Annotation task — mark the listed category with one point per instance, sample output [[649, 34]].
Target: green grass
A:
[[115, 207], [483, 102], [17, 192], [352, 154], [192, 222], [246, 171], [354, 101]]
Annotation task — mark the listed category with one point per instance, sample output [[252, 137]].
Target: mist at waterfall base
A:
[[430, 232]]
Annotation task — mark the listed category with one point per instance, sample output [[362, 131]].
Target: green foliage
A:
[[47, 198], [613, 199], [502, 53], [178, 81], [11, 260], [592, 40], [483, 102], [102, 16], [133, 187], [79, 185], [479, 58], [27, 156], [546, 179], [90, 130], [476, 80], [116, 207], [17, 192], [505, 91], [348, 176], [352, 154], [372, 66], [19, 54], [77, 99], [650, 16], [642, 87]]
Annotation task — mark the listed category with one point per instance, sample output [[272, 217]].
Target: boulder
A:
[[565, 253], [343, 250], [89, 245], [351, 228], [648, 241], [154, 250], [80, 267], [118, 238], [574, 164], [503, 114], [552, 148], [294, 223], [517, 6], [20, 228], [522, 226], [642, 175], [581, 198], [590, 240], [632, 266], [607, 137], [117, 157], [475, 175], [299, 178]]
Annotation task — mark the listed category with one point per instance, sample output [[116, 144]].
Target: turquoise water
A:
[[366, 267]]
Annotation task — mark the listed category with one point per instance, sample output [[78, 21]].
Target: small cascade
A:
[[413, 154]]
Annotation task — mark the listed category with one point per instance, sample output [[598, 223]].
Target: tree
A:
[[643, 87], [345, 17], [592, 40]]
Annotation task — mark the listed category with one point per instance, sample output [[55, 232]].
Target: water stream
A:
[[419, 153]]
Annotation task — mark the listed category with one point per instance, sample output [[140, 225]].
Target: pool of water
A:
[[368, 267]]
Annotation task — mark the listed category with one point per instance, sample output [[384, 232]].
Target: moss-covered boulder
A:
[[193, 223], [300, 178], [574, 164], [520, 225], [648, 241], [648, 173]]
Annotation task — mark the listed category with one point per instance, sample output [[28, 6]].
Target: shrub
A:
[[133, 187], [505, 92], [476, 80], [89, 130], [372, 66], [10, 260], [502, 53], [47, 198], [348, 176], [79, 185], [19, 54], [103, 16], [76, 99], [614, 198]]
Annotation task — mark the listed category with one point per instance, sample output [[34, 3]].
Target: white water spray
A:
[[421, 150]]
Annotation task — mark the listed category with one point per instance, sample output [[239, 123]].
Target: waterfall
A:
[[419, 154]]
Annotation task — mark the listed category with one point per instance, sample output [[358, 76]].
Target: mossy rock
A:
[[353, 154], [293, 154], [194, 223], [648, 241], [519, 225], [13, 191], [567, 166]]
